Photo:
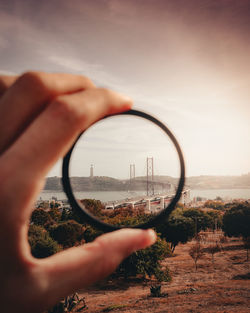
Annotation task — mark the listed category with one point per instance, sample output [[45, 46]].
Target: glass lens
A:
[[124, 170]]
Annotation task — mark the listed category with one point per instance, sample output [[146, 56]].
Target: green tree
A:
[[178, 229], [214, 204], [41, 217], [41, 244], [66, 213], [95, 207], [201, 219], [91, 233], [236, 223], [147, 262], [55, 214], [216, 217], [68, 233]]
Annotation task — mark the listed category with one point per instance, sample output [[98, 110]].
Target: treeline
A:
[[53, 230]]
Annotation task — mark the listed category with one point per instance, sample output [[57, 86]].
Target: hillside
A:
[[103, 183], [219, 182]]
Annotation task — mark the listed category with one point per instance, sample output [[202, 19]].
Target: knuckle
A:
[[64, 109], [86, 81], [33, 79]]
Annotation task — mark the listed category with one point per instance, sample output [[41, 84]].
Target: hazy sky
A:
[[184, 61]]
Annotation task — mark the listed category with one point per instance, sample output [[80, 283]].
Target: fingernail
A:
[[125, 98], [151, 236]]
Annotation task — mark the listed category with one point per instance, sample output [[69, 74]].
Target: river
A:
[[226, 194]]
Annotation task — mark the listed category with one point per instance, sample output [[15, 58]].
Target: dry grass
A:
[[220, 287]]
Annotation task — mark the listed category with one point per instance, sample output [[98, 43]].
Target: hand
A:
[[40, 117]]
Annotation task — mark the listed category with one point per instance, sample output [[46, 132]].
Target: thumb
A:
[[79, 267]]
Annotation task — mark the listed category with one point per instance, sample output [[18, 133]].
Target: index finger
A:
[[28, 97], [5, 82]]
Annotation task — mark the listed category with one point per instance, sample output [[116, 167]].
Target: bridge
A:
[[152, 204], [138, 180]]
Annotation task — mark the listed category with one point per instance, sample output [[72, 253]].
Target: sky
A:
[[185, 62]]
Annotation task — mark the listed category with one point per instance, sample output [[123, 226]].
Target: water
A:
[[226, 194], [98, 195]]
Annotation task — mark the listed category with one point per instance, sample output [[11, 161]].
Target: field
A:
[[219, 286]]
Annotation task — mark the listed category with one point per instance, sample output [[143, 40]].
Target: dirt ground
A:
[[222, 286]]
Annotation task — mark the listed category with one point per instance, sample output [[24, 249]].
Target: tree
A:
[[65, 214], [201, 219], [41, 218], [246, 242], [95, 207], [55, 214], [42, 245], [213, 249], [147, 262], [216, 217], [67, 233], [214, 204], [236, 223], [91, 233], [196, 253], [177, 229]]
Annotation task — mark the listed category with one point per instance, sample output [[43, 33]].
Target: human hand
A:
[[41, 115]]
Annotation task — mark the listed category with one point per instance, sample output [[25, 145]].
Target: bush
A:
[[214, 204], [236, 221], [67, 233], [196, 253], [42, 245], [41, 218], [55, 214], [147, 262], [91, 234], [177, 229], [213, 249], [202, 220]]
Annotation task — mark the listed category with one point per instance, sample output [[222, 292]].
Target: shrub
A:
[[42, 218], [236, 221], [147, 262], [55, 214], [196, 253], [201, 219], [42, 245], [91, 233], [67, 233], [177, 229], [213, 249]]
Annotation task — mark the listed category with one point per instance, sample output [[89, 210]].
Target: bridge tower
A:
[[150, 177], [132, 172]]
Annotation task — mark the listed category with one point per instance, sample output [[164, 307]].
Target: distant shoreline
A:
[[209, 194]]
